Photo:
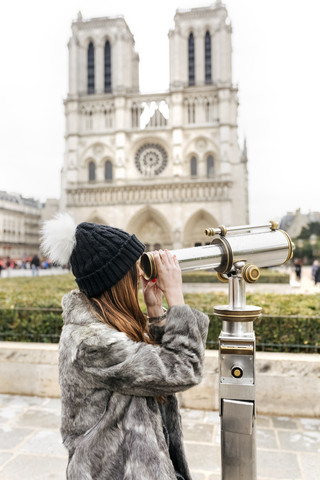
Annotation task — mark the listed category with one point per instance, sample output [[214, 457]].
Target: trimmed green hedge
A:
[[278, 334], [273, 333], [27, 325], [30, 311]]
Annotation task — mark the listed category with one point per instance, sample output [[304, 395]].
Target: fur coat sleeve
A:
[[108, 357]]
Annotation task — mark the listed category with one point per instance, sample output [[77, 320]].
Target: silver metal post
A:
[[237, 383]]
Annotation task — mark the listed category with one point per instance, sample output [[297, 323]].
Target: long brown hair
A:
[[119, 308]]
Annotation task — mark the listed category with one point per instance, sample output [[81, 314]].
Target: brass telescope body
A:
[[261, 245]]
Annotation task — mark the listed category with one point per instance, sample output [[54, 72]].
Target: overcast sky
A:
[[276, 45]]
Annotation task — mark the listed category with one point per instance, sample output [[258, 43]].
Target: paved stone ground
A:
[[28, 272], [30, 444]]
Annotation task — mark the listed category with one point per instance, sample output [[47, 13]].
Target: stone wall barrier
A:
[[287, 383]]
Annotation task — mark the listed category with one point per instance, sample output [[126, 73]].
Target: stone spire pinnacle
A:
[[244, 154]]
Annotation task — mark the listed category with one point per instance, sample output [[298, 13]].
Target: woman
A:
[[119, 370]]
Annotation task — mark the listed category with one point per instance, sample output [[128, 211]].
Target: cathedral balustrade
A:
[[183, 192], [146, 111], [149, 111]]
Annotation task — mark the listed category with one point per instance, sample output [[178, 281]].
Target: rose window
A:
[[151, 159]]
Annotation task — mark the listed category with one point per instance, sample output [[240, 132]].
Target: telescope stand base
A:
[[238, 440]]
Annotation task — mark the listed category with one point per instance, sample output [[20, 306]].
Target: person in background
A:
[[8, 266], [120, 369], [314, 268], [35, 264], [298, 268], [317, 274]]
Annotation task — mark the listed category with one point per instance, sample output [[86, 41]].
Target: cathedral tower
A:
[[166, 165]]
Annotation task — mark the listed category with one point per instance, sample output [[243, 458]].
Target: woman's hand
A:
[[169, 280], [152, 297]]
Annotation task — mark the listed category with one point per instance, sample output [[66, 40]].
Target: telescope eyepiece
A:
[[148, 266]]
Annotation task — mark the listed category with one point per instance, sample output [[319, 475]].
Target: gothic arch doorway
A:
[[152, 228], [193, 234]]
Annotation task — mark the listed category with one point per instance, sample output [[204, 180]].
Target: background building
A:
[[20, 220], [20, 224], [294, 222], [163, 165]]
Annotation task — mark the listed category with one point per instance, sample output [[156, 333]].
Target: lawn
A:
[[47, 291]]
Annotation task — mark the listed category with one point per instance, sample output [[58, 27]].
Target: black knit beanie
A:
[[102, 256]]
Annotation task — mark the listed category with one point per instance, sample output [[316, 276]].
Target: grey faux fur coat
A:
[[111, 421]]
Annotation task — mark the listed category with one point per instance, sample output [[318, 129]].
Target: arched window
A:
[[210, 166], [191, 111], [193, 166], [207, 47], [108, 115], [108, 170], [135, 115], [107, 67], [90, 68], [89, 120], [191, 59], [207, 108], [92, 171]]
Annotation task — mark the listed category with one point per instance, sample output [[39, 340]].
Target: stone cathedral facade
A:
[[163, 166]]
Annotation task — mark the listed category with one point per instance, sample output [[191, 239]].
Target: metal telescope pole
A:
[[237, 377]]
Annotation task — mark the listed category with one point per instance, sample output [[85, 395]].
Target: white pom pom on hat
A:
[[59, 238]]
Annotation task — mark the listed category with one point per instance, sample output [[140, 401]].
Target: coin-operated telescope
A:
[[236, 254]]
